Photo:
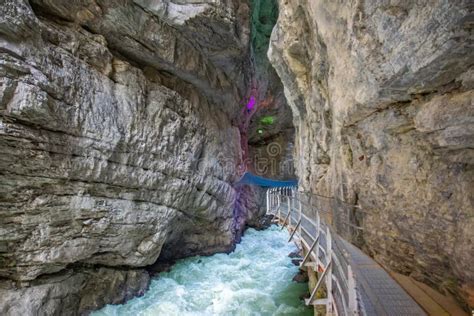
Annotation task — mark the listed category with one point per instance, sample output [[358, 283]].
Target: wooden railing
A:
[[322, 248]]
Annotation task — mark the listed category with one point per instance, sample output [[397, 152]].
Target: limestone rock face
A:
[[117, 143], [75, 291], [381, 93]]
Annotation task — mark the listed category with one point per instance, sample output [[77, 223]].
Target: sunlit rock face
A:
[[117, 144], [381, 92]]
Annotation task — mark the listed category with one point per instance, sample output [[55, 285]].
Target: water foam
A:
[[255, 279]]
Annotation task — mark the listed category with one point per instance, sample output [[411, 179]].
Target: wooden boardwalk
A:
[[354, 283], [380, 294]]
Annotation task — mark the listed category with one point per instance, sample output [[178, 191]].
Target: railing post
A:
[[289, 209], [299, 213], [329, 305], [267, 196], [274, 203], [352, 292], [270, 199], [279, 204], [318, 232], [295, 200]]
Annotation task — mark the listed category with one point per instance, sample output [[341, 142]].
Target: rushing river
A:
[[255, 279]]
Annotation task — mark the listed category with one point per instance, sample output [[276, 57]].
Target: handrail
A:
[[323, 196], [344, 222], [325, 212], [324, 238], [335, 266], [358, 207]]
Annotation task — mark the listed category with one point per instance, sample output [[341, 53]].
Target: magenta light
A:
[[251, 103]]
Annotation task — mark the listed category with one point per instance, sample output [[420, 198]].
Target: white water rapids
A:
[[255, 279]]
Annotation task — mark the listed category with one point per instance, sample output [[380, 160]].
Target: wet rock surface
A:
[[263, 222], [301, 277], [117, 144], [382, 99]]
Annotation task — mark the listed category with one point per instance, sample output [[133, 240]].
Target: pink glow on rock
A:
[[251, 103]]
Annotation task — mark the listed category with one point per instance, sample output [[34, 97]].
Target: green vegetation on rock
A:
[[264, 17], [267, 120]]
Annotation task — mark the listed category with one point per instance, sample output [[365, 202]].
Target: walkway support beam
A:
[[319, 254], [310, 250], [322, 278], [286, 220], [295, 230]]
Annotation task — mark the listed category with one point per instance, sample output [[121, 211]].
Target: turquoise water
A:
[[255, 279]]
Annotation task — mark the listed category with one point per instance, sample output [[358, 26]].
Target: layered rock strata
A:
[[117, 144], [382, 98]]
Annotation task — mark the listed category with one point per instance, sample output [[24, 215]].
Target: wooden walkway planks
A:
[[377, 292]]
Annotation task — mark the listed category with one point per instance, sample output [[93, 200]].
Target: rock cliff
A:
[[117, 144], [123, 128], [381, 93]]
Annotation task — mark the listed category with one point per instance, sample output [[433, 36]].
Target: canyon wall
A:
[[117, 144], [382, 97], [271, 130]]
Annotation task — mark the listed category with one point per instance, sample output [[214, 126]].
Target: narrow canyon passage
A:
[[255, 279], [140, 132]]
